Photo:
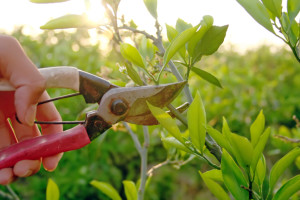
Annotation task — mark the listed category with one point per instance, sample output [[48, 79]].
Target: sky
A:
[[243, 32]]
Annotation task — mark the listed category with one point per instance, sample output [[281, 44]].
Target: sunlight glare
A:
[[95, 11]]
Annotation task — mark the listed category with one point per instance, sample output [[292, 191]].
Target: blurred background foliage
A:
[[265, 78]]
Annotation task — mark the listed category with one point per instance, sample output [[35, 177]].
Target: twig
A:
[[287, 139], [149, 36], [5, 195], [135, 139], [12, 192], [144, 161], [166, 162]]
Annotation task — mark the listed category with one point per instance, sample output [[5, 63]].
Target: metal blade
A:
[[136, 99], [149, 119]]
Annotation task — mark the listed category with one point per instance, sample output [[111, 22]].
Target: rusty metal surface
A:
[[93, 87], [136, 100]]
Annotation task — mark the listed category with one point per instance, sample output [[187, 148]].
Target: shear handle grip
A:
[[56, 77], [43, 146]]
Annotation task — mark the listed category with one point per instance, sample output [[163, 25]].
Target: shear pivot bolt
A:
[[119, 107]]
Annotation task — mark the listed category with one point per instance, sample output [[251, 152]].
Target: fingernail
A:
[[28, 173], [30, 115]]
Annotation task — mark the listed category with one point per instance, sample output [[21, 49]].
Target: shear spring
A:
[[56, 122]]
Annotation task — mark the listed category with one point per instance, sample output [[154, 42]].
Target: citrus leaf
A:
[[171, 32], [288, 189], [197, 122], [181, 25], [178, 43], [233, 177], [215, 188], [260, 171], [130, 190], [243, 148], [132, 73], [293, 7], [281, 165], [175, 143], [205, 24], [234, 149], [214, 174], [107, 189], [207, 76], [219, 138], [210, 42], [151, 5], [130, 53], [166, 121], [256, 128], [258, 11], [259, 148], [52, 191], [69, 21], [274, 6]]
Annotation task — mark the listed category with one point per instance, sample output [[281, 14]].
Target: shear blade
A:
[[161, 96]]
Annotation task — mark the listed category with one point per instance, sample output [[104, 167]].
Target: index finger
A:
[[48, 112]]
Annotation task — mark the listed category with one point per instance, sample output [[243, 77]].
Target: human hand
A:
[[17, 68]]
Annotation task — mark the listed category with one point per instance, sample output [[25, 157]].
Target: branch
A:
[[144, 161], [135, 139], [149, 36]]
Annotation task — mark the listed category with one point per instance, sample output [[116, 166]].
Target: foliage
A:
[[270, 14], [232, 163]]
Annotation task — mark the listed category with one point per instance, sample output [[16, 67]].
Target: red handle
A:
[[43, 146]]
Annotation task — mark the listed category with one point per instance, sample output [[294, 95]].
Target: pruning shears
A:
[[116, 104]]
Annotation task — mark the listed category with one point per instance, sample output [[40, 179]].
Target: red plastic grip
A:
[[43, 146]]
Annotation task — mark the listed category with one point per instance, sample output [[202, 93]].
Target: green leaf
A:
[[235, 148], [205, 24], [293, 7], [181, 25], [233, 177], [259, 148], [257, 127], [288, 189], [215, 188], [69, 21], [147, 48], [175, 143], [280, 166], [171, 32], [151, 5], [130, 53], [52, 191], [242, 148], [197, 122], [219, 138], [207, 76], [166, 121], [274, 6], [258, 11], [290, 29], [214, 174], [178, 43], [107, 189], [130, 190], [117, 82], [210, 42], [47, 1], [260, 172], [132, 73]]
